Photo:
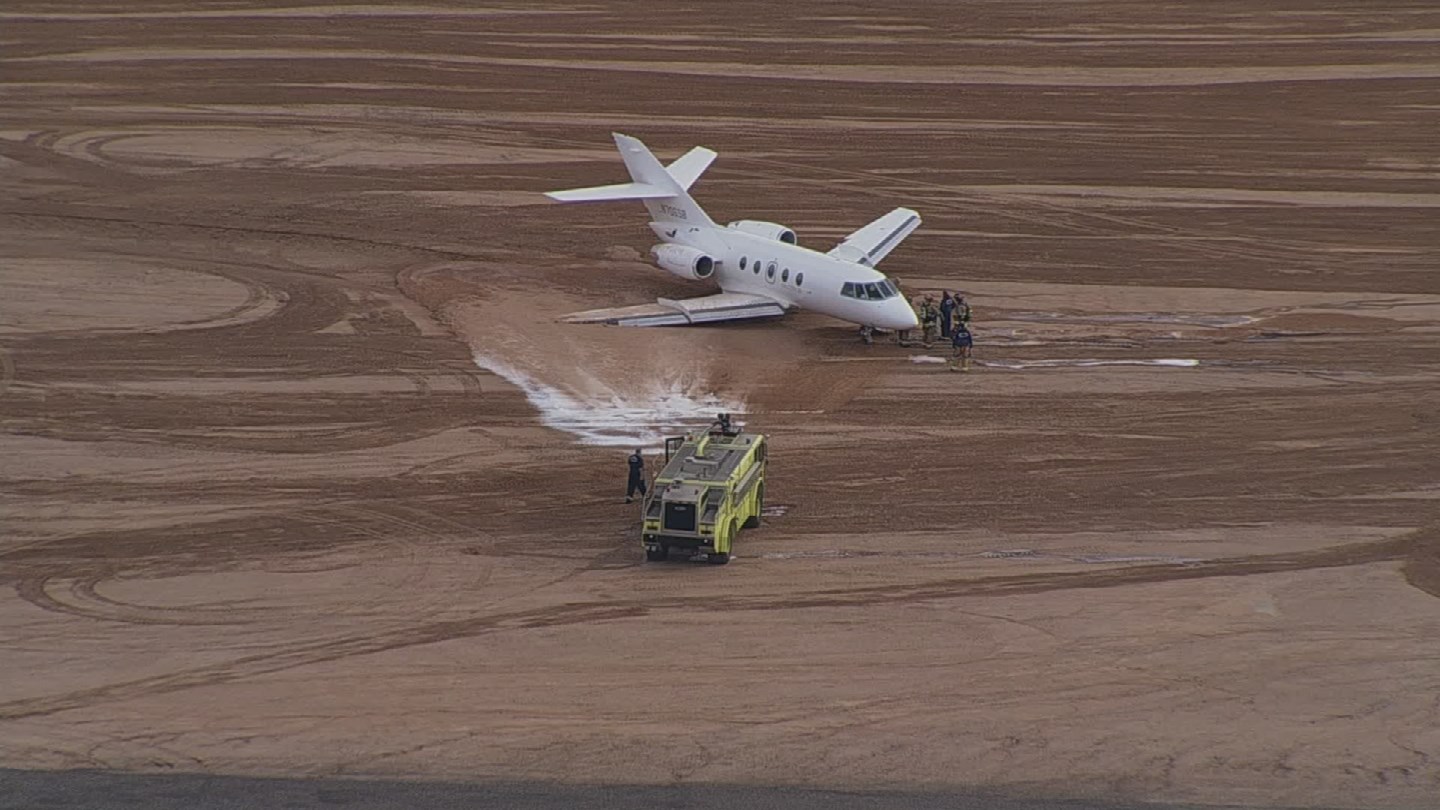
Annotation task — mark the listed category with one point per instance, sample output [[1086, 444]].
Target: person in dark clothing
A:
[[722, 425], [637, 476], [962, 342], [947, 314]]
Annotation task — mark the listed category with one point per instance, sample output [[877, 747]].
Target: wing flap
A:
[[684, 312], [874, 242]]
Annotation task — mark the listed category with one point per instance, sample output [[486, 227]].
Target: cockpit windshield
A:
[[869, 290]]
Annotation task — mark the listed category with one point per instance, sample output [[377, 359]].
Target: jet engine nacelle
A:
[[764, 230], [685, 262]]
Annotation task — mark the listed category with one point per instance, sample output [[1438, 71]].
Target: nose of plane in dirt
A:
[[896, 314]]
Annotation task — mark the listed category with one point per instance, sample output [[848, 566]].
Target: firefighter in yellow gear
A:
[[930, 320], [961, 313]]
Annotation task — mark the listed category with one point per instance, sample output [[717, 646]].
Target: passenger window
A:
[[785, 274], [800, 279], [874, 292], [770, 271], [742, 262]]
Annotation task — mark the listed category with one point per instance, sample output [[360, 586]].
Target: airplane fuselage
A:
[[795, 276]]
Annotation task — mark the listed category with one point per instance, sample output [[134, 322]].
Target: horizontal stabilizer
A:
[[619, 191], [670, 312], [652, 182], [688, 167]]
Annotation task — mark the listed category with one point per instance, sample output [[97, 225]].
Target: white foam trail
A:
[[1172, 362], [607, 418], [927, 358]]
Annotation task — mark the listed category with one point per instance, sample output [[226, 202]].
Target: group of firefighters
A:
[[949, 319]]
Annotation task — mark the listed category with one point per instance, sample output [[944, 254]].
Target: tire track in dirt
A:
[[318, 652], [1419, 552], [78, 596], [262, 301], [1073, 219], [247, 342], [63, 575], [448, 253], [7, 370], [1422, 564], [38, 151]]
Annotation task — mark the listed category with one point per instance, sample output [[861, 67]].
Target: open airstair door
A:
[[670, 312], [874, 242]]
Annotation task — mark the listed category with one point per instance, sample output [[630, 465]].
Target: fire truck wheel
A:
[[657, 554], [753, 522], [718, 559]]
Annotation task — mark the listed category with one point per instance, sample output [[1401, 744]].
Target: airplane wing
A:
[[874, 242], [671, 312]]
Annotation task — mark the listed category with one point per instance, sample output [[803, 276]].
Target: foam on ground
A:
[[605, 417]]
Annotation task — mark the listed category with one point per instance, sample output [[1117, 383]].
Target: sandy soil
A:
[[298, 477]]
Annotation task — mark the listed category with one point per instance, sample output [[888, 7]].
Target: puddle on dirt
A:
[[1089, 559], [1282, 335], [840, 553], [1024, 554], [1013, 342], [611, 419], [1109, 559], [1187, 319], [1171, 362]]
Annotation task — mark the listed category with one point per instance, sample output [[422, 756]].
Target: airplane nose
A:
[[898, 315]]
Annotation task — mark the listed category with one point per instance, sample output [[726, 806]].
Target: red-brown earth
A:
[[264, 514]]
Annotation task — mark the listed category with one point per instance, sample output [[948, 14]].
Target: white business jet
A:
[[760, 269]]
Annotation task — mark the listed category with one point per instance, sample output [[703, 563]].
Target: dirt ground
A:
[[299, 478]]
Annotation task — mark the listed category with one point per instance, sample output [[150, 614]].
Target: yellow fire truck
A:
[[712, 486]]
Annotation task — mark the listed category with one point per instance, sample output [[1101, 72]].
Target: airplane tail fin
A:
[[663, 189]]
